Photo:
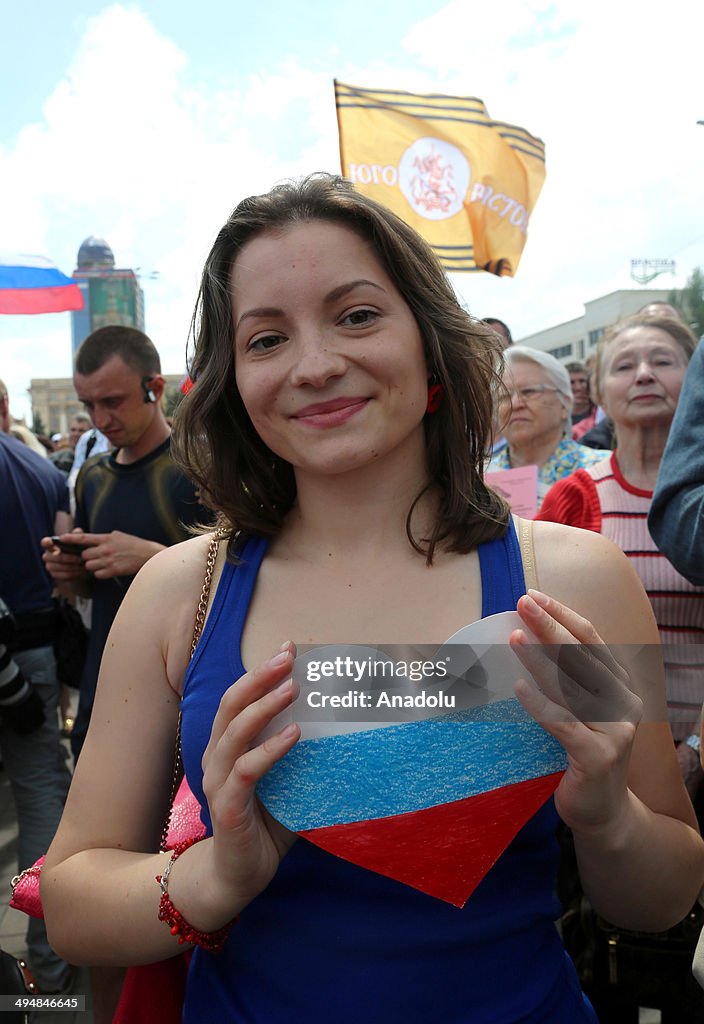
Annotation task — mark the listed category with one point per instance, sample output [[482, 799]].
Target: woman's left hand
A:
[[580, 694]]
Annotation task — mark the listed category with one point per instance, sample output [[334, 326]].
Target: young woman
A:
[[324, 334]]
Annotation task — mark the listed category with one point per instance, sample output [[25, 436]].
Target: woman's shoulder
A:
[[587, 456], [180, 566], [169, 586], [590, 574], [164, 598]]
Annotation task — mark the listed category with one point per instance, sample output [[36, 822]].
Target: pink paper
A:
[[519, 487]]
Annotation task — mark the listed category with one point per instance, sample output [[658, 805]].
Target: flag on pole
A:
[[466, 183], [33, 284]]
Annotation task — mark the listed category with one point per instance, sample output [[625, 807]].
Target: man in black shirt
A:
[[130, 502]]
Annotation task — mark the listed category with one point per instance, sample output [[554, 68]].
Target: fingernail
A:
[[285, 687], [288, 731], [539, 597], [279, 659], [285, 645]]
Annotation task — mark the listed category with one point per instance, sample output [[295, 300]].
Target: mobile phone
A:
[[66, 547]]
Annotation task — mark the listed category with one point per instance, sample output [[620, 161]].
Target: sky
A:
[[145, 123]]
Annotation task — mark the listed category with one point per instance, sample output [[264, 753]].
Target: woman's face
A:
[[641, 377], [534, 414], [329, 359]]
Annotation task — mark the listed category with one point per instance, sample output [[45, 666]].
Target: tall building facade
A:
[[577, 339], [110, 295]]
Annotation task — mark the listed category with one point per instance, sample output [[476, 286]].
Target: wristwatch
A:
[[694, 742]]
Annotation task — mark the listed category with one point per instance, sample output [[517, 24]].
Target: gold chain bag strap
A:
[[198, 624]]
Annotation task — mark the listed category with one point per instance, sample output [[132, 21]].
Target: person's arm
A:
[[676, 518], [116, 554], [62, 522], [67, 570], [98, 884], [640, 856]]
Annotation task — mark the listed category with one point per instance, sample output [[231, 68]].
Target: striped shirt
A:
[[599, 498]]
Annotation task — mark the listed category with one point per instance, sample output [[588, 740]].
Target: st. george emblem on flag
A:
[[466, 183]]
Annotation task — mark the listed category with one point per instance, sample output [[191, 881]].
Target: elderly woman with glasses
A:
[[534, 413]]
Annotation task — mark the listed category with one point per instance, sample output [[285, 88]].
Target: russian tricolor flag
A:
[[433, 798], [33, 284]]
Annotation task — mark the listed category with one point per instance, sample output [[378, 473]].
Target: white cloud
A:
[[135, 148], [614, 90], [131, 149]]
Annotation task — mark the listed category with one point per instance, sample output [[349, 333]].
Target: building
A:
[[576, 339], [54, 400], [110, 296]]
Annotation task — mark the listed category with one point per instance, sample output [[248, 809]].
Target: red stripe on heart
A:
[[444, 851]]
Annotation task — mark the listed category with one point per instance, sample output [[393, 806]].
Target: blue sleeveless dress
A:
[[328, 942]]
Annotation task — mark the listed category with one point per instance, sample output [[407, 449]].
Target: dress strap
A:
[[234, 593], [501, 569]]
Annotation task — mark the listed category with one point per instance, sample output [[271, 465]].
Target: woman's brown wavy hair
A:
[[214, 441]]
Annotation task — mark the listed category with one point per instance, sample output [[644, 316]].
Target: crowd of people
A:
[[324, 483]]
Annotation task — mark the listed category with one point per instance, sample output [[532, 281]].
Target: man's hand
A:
[[64, 568], [107, 555]]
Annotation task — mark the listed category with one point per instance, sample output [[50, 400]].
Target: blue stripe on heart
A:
[[333, 780]]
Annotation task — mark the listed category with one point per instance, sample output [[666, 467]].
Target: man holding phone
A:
[[130, 502]]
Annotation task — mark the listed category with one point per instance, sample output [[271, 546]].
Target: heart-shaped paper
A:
[[421, 769]]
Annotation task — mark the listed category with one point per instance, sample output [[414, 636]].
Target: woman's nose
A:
[[317, 362], [644, 370]]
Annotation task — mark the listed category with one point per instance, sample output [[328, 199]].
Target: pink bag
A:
[[184, 822]]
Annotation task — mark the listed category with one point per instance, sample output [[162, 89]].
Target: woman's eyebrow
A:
[[332, 296], [273, 311], [344, 289]]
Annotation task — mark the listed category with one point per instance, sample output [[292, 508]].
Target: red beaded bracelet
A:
[[211, 941]]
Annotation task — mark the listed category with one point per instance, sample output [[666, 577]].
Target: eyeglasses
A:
[[529, 394]]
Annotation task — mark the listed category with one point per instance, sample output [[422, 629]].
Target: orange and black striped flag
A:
[[466, 183]]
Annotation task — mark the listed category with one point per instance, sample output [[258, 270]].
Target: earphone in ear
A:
[[149, 395]]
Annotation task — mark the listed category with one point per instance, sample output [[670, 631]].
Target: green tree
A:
[[38, 426], [690, 301], [172, 400]]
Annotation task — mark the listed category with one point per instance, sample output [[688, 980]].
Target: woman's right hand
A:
[[248, 844]]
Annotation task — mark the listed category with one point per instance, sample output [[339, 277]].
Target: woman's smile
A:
[[330, 414]]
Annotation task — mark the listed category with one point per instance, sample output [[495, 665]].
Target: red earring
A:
[[435, 392]]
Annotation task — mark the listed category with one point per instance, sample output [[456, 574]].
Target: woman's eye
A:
[[360, 318], [265, 342]]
